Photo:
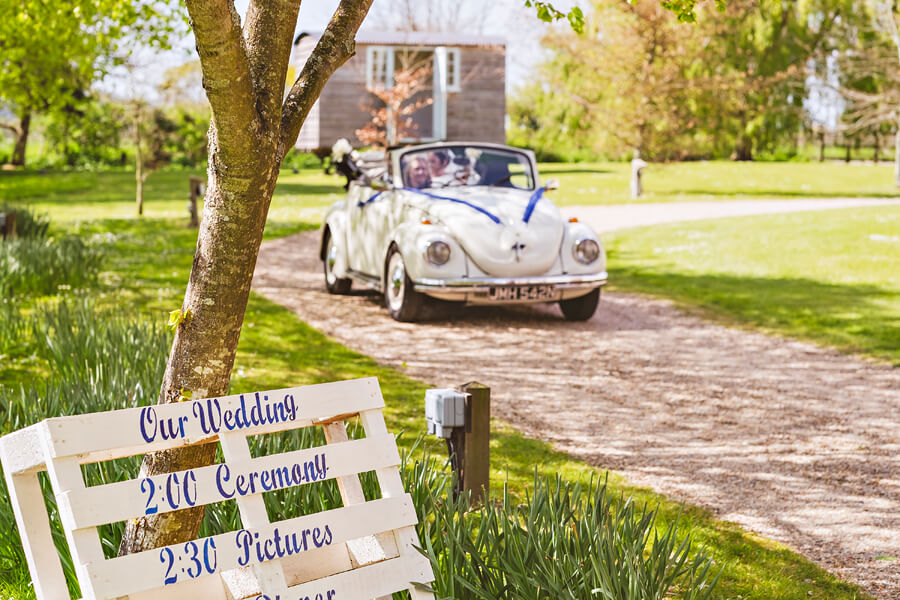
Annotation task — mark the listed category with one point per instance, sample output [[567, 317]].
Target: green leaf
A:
[[177, 317]]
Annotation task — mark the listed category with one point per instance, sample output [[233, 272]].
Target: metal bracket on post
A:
[[445, 409]]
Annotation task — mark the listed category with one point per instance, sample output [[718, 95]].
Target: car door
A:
[[369, 224]]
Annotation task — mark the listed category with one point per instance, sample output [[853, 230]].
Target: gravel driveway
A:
[[795, 442]]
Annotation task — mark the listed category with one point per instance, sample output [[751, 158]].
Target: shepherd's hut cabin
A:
[[463, 96]]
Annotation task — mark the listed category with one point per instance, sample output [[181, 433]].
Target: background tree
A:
[[182, 86], [868, 74], [732, 84], [393, 106], [52, 50], [759, 86], [88, 131]]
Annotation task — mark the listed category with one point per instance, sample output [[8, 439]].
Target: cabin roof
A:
[[415, 38]]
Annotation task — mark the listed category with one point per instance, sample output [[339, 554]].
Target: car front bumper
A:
[[479, 289]]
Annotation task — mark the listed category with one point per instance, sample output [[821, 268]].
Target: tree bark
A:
[[244, 76], [18, 155], [138, 162], [897, 156], [743, 150]]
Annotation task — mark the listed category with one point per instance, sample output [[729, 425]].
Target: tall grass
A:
[[99, 361], [13, 327], [36, 267], [33, 264], [567, 541], [29, 224]]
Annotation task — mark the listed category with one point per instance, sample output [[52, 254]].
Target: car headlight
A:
[[586, 251], [437, 252]]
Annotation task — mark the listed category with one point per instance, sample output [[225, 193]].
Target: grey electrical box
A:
[[444, 410]]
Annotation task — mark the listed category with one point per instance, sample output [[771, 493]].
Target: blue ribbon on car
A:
[[529, 210], [532, 202], [483, 211], [492, 217], [371, 198]]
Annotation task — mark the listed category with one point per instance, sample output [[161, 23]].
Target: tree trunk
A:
[[139, 191], [744, 148], [138, 162], [253, 124], [897, 157], [206, 341], [822, 147], [18, 156], [877, 147]]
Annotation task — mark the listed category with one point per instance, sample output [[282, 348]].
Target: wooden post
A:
[[474, 442], [197, 190], [8, 225]]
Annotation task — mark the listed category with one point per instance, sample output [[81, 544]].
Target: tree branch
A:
[[9, 127], [226, 73], [268, 32], [334, 48]]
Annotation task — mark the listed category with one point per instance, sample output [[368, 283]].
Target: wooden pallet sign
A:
[[362, 550]]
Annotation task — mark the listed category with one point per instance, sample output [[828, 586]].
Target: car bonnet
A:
[[490, 224]]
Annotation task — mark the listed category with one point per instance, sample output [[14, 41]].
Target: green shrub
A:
[[35, 266], [297, 159]]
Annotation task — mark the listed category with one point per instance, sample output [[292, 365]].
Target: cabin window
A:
[[453, 70], [379, 67]]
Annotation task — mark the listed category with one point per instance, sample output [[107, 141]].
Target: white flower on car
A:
[[340, 149]]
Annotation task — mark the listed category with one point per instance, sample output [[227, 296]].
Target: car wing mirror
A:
[[552, 184]]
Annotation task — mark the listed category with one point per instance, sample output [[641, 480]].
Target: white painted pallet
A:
[[362, 550]]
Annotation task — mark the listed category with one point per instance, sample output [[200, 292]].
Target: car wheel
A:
[[402, 301], [581, 308], [333, 283]]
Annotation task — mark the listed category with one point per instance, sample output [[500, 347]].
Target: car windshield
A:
[[466, 166]]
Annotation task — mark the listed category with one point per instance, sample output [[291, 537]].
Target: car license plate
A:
[[514, 293]]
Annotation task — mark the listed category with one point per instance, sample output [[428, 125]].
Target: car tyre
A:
[[581, 308], [333, 283], [402, 301]]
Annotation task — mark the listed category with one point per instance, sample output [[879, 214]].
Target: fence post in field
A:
[[8, 225], [198, 188], [475, 447]]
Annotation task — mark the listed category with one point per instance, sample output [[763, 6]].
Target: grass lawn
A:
[[830, 276], [277, 350], [608, 183], [305, 196], [73, 196]]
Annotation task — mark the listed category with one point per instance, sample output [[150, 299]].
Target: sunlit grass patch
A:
[[829, 276], [75, 196], [713, 181], [145, 276]]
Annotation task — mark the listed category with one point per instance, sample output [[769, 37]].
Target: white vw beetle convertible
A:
[[462, 222]]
